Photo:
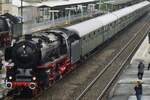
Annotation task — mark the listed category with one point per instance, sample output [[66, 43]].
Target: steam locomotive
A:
[[40, 59], [7, 21]]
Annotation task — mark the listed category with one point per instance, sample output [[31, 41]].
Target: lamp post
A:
[[82, 11], [69, 14], [53, 15], [22, 15], [100, 2]]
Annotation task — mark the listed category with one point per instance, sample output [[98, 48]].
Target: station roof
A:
[[118, 2], [51, 3], [62, 3], [18, 3]]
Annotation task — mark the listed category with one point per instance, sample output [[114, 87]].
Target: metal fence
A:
[[34, 26]]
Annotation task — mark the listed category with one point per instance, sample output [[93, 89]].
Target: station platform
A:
[[124, 88], [3, 89], [32, 27]]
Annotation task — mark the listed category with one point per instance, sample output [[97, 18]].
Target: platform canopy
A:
[[18, 3], [63, 3]]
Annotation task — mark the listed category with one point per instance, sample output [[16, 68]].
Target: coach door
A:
[[75, 48]]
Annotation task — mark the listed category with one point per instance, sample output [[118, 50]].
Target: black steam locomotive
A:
[[10, 26], [39, 59], [7, 26]]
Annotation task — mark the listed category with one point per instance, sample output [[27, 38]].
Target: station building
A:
[[49, 12], [52, 10], [46, 9]]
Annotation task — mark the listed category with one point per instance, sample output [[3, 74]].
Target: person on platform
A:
[[141, 67], [2, 72], [138, 90], [1, 64], [148, 67]]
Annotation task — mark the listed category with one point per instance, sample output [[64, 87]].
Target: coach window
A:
[[130, 16], [90, 35], [98, 31], [105, 28], [120, 20], [116, 22], [124, 18], [102, 29], [95, 33], [113, 24], [83, 38], [127, 17], [86, 38], [110, 25]]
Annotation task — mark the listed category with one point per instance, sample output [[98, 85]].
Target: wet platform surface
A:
[[124, 89], [3, 89]]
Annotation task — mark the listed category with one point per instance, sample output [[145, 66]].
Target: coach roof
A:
[[130, 9], [91, 25]]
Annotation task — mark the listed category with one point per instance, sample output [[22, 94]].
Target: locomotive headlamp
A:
[[9, 84], [23, 46], [34, 78], [32, 86], [10, 77]]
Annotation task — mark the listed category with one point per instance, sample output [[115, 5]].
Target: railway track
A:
[[113, 68]]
